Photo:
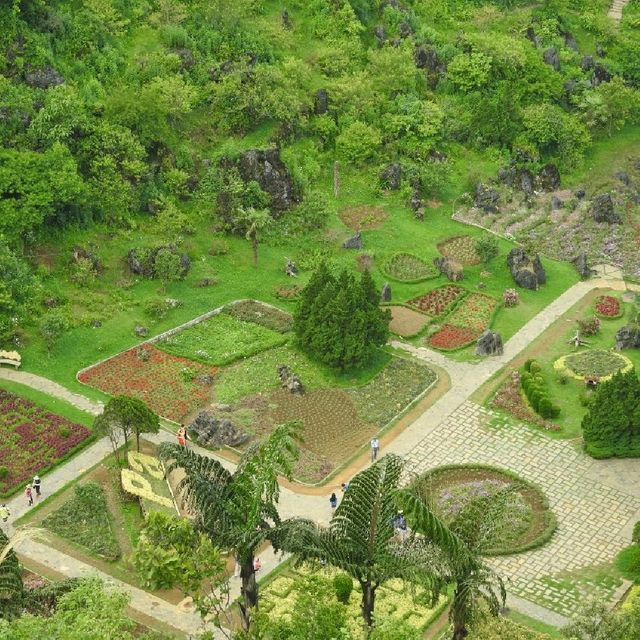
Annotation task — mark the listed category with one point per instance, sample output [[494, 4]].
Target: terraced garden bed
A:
[[171, 386], [33, 440], [405, 267], [461, 248], [438, 301], [465, 323], [406, 322]]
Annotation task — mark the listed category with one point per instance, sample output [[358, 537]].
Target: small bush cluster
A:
[[535, 389], [590, 326], [510, 298]]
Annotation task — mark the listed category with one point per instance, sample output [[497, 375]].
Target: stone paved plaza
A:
[[595, 506]]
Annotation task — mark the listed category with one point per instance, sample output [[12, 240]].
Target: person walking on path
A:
[[36, 484], [333, 501], [182, 436], [29, 493], [4, 512], [375, 445]]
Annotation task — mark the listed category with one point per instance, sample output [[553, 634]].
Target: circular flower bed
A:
[[593, 362], [608, 307], [406, 267], [460, 248], [524, 523]]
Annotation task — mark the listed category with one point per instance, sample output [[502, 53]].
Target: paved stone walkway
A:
[[595, 512], [617, 7]]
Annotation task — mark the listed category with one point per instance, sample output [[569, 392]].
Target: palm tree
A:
[[478, 588], [237, 510], [256, 221], [361, 540]]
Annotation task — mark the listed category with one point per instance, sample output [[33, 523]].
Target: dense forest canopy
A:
[[111, 110]]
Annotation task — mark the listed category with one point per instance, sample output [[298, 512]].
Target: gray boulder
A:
[[267, 169], [628, 337], [580, 262], [580, 193], [602, 209], [391, 176], [44, 78], [570, 41], [290, 380], [354, 242], [549, 177], [623, 176], [600, 52], [209, 431], [526, 271], [450, 268], [385, 294], [556, 203], [426, 57], [600, 74], [551, 57], [140, 331], [525, 181], [486, 198], [405, 29], [379, 34], [587, 63], [533, 37], [489, 344], [321, 102]]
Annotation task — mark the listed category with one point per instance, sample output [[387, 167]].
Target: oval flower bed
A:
[[460, 248], [438, 301], [593, 362], [524, 522], [406, 267], [608, 307]]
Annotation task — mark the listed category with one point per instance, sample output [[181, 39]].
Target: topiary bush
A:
[[590, 326], [635, 536], [535, 388], [628, 562], [510, 298], [4, 472], [343, 586]]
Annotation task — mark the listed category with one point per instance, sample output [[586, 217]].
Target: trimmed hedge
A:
[[535, 388]]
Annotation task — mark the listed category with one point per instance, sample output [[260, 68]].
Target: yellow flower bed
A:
[[138, 485], [142, 463], [393, 599]]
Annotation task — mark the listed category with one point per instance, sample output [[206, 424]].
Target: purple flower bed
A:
[[33, 439]]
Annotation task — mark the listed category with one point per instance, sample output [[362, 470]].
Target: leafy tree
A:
[[238, 510], [88, 612], [37, 187], [11, 589], [361, 540], [612, 425], [358, 142], [610, 106], [52, 325], [469, 71], [130, 416], [171, 553], [596, 621], [338, 319], [486, 246]]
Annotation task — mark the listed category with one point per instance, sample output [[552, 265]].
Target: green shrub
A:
[[535, 388], [628, 561], [219, 247], [4, 472], [527, 364], [343, 585], [486, 247], [635, 536], [585, 398], [535, 367], [64, 431]]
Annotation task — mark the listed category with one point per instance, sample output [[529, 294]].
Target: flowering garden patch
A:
[[438, 301], [465, 323], [608, 306], [33, 439], [171, 386]]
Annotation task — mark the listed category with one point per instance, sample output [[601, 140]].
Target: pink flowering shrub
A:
[[510, 298]]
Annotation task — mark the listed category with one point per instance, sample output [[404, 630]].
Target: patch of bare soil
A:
[[406, 322], [363, 217]]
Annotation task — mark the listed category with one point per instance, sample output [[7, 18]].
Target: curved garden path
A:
[[596, 502]]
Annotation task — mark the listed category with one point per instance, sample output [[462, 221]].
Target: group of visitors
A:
[[34, 486]]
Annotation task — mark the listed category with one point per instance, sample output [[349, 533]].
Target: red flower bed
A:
[[439, 300], [608, 306], [450, 337], [171, 386], [32, 439]]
